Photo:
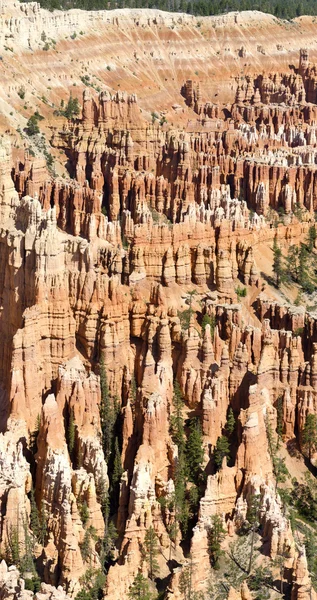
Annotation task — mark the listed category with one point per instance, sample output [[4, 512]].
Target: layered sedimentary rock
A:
[[120, 290]]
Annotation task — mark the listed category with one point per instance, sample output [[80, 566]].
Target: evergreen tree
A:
[[93, 583], [110, 532], [231, 422], [221, 450], [279, 468], [140, 589], [292, 262], [185, 581], [298, 266], [85, 547], [84, 513], [311, 238], [279, 564], [32, 126], [116, 474], [253, 519], [34, 516], [133, 391], [178, 435], [72, 108], [277, 264], [181, 506], [280, 415], [216, 535], [194, 452], [209, 320], [108, 544], [289, 10], [117, 465], [106, 410], [303, 275], [151, 551], [43, 524], [310, 434], [177, 423], [311, 555], [34, 435], [190, 296], [13, 546]]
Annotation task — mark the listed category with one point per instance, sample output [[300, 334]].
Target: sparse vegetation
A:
[[32, 126], [71, 110], [241, 292], [208, 320], [21, 92]]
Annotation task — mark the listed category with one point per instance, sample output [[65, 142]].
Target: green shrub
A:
[[241, 292], [208, 320], [32, 127], [33, 584], [21, 92], [299, 331]]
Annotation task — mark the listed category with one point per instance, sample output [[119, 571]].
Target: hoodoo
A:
[[158, 292]]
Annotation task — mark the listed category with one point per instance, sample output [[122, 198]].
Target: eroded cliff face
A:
[[122, 322]]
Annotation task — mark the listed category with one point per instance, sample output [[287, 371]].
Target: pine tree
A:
[[117, 465], [34, 435], [116, 474], [279, 468], [194, 452], [277, 264], [310, 434], [133, 391], [303, 275], [280, 415], [151, 551], [312, 234], [253, 518], [279, 563], [107, 417], [181, 508], [140, 590], [109, 543], [43, 524], [103, 498], [85, 547], [311, 554], [185, 583], [185, 316], [231, 422], [209, 320], [190, 297], [34, 516], [13, 546], [222, 449], [72, 108], [177, 423], [178, 435], [216, 535], [110, 532], [32, 126], [84, 513]]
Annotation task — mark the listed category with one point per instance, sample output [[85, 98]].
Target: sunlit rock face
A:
[[137, 301]]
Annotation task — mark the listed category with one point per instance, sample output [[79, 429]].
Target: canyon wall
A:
[[138, 299]]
